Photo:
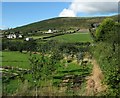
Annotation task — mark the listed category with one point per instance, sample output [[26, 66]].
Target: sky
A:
[[15, 14]]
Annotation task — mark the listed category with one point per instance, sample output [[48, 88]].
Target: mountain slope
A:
[[60, 23]]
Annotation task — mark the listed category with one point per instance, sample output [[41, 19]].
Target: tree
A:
[[36, 68], [104, 30]]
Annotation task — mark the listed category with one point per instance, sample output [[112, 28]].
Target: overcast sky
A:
[[21, 13]]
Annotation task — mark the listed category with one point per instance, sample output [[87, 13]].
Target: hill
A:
[[60, 23]]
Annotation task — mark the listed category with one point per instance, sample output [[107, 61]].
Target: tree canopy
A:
[[105, 28]]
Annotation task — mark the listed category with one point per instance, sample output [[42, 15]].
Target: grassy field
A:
[[14, 85], [76, 37], [21, 60], [15, 59], [40, 36]]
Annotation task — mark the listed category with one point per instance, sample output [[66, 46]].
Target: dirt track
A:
[[94, 85]]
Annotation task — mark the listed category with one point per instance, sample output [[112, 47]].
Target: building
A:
[[20, 36], [14, 36], [11, 36], [28, 39], [49, 31]]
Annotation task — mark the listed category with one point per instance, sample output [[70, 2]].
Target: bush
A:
[[105, 29]]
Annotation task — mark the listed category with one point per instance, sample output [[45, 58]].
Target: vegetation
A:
[[43, 69], [15, 59], [46, 65], [76, 37], [104, 30], [18, 45], [106, 51]]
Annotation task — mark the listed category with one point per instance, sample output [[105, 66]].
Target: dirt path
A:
[[94, 85]]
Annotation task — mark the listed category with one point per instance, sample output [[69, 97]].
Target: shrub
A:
[[105, 29]]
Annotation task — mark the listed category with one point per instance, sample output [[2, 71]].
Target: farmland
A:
[[62, 71], [76, 37], [56, 63], [15, 59]]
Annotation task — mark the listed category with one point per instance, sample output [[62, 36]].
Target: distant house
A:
[[14, 36], [20, 36], [28, 39], [11, 36], [49, 31]]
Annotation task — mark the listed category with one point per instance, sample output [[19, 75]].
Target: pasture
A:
[[62, 72], [40, 36], [76, 37], [15, 59]]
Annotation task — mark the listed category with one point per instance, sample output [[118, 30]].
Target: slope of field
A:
[[76, 37]]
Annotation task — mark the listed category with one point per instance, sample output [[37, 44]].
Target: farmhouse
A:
[[11, 36], [14, 36], [49, 31], [28, 39], [20, 36]]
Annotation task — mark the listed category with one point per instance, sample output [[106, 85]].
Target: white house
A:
[[20, 36], [28, 39], [10, 36], [14, 36], [49, 31]]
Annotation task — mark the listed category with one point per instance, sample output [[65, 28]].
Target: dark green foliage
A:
[[12, 45], [18, 45], [29, 45], [56, 55], [69, 48], [104, 30]]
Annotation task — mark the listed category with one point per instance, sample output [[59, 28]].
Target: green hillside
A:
[[60, 23]]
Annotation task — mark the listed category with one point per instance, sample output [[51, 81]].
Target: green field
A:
[[15, 59], [76, 37], [40, 36], [21, 60], [16, 84]]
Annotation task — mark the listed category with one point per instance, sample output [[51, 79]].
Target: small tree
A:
[[36, 68], [104, 29]]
